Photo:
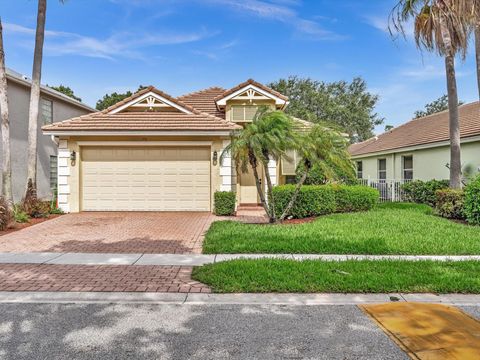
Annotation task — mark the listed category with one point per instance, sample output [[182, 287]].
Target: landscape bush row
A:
[[449, 203], [316, 200]]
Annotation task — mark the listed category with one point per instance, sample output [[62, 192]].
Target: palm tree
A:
[[6, 163], [267, 137], [437, 27], [30, 191], [323, 146]]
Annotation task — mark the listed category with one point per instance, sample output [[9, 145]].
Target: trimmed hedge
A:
[[316, 200], [450, 204], [472, 201], [224, 203], [355, 198], [424, 192]]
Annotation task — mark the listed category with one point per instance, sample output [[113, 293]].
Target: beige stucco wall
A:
[[69, 188], [428, 163]]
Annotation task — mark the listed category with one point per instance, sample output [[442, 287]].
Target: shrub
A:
[[319, 175], [19, 214], [450, 203], [224, 203], [38, 209], [472, 201], [355, 198], [423, 192], [313, 200], [5, 214]]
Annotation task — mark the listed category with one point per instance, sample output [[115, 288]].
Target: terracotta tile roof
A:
[[427, 130], [146, 90], [142, 121], [204, 100], [251, 82]]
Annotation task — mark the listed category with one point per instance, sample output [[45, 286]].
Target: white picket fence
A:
[[390, 190]]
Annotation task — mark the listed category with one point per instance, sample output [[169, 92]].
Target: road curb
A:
[[232, 299]]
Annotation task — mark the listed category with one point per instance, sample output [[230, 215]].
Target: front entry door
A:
[[248, 188]]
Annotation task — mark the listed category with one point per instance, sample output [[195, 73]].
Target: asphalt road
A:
[[100, 331]]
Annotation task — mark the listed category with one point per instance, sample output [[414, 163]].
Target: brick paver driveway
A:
[[113, 232]]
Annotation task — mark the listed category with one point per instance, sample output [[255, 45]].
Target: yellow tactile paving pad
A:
[[429, 331]]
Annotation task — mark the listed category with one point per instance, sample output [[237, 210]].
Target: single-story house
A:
[[54, 107], [155, 152], [419, 149]]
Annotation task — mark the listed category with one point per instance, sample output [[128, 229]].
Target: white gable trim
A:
[[278, 101], [146, 95]]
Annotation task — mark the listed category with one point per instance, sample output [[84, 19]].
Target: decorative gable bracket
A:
[[150, 101]]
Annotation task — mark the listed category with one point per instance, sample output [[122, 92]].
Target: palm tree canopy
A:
[[438, 24], [270, 134]]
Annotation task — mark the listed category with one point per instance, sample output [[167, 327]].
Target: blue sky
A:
[[100, 46]]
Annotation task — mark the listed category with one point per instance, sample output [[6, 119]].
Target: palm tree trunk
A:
[[254, 164], [6, 158], [35, 95], [477, 54], [454, 125], [295, 194], [273, 218]]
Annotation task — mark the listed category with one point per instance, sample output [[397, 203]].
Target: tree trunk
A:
[[6, 158], [254, 164], [35, 94], [477, 55], [454, 126], [295, 193], [273, 218]]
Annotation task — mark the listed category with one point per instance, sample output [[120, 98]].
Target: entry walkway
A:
[[55, 258]]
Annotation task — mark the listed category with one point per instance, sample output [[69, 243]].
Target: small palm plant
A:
[[267, 137], [324, 146]]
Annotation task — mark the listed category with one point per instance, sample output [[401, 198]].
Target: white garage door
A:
[[146, 179]]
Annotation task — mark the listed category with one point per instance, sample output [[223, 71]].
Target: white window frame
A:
[[382, 171], [244, 107], [359, 172], [404, 169]]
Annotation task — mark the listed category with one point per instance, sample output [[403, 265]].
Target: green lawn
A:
[[387, 229], [272, 275]]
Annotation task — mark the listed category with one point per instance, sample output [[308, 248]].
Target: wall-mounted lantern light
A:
[[215, 157], [73, 158]]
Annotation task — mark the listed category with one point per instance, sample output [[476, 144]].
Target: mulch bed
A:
[[31, 222]]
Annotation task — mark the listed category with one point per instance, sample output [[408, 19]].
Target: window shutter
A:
[[237, 113], [250, 112]]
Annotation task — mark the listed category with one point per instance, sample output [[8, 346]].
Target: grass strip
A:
[[389, 229], [310, 276]]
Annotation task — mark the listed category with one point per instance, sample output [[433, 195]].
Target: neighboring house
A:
[[54, 107], [420, 148], [155, 152]]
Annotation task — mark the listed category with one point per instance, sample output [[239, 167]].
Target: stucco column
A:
[[63, 188], [227, 170]]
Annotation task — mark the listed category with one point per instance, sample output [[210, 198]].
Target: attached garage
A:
[[145, 179]]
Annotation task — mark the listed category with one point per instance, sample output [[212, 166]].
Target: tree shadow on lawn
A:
[[86, 331]]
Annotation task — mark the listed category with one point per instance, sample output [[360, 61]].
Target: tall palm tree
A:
[[267, 137], [437, 27], [6, 163], [30, 191], [323, 146]]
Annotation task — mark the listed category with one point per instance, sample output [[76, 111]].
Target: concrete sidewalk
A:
[[193, 259], [234, 299]]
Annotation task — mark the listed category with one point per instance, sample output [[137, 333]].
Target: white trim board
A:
[[146, 95], [145, 143], [138, 133], [278, 101]]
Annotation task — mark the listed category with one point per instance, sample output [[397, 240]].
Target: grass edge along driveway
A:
[[366, 276], [388, 229]]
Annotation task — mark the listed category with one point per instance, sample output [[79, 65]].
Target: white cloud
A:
[[118, 45], [282, 11]]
